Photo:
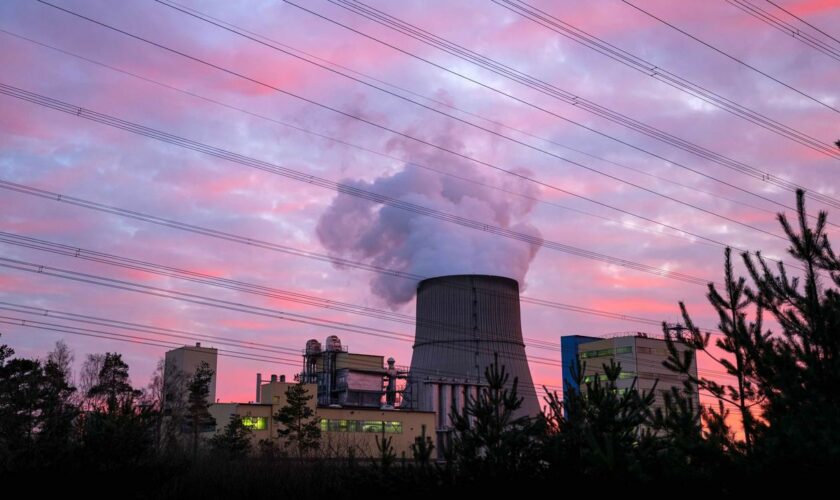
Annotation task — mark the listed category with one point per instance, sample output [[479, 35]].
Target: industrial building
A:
[[640, 355], [462, 320], [344, 429], [351, 379], [180, 364], [356, 397]]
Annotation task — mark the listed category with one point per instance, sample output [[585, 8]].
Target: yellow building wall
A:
[[222, 412], [364, 443], [334, 443], [274, 393]]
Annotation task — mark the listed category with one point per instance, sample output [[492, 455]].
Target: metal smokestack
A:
[[461, 321]]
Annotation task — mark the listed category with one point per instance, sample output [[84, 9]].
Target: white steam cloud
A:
[[385, 236]]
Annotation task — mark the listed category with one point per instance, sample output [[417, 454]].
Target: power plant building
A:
[[181, 363], [356, 398], [343, 428], [640, 356], [349, 379], [462, 320]]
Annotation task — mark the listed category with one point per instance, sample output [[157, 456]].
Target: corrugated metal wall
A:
[[461, 321]]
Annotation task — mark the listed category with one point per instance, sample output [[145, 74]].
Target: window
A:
[[255, 423], [596, 354], [378, 426], [622, 376]]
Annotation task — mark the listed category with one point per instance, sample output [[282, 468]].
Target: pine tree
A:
[[113, 385], [598, 431], [798, 371], [387, 455], [738, 335], [234, 442], [791, 376], [422, 448], [116, 433], [198, 413], [301, 426], [488, 440]]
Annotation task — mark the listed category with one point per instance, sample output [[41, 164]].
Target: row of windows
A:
[[606, 352], [621, 376], [651, 350], [361, 426]]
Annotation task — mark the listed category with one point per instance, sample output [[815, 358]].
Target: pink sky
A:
[[62, 153]]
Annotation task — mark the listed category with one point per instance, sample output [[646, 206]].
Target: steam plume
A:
[[390, 237]]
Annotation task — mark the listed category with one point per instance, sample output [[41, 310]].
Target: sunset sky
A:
[[565, 186]]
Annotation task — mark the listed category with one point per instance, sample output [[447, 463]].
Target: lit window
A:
[[255, 423]]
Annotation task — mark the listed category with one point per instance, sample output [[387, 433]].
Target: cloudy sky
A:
[[596, 154]]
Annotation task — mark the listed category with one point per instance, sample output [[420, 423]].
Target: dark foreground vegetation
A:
[[776, 425]]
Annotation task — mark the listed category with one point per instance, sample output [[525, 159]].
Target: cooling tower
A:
[[461, 321]]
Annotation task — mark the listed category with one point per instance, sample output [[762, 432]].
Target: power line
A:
[[562, 95], [137, 327], [192, 336], [719, 159], [729, 56], [603, 47], [786, 28], [801, 20], [204, 300], [7, 320], [174, 333], [679, 234], [171, 333], [92, 279], [240, 286], [235, 354], [134, 264], [517, 175], [407, 91], [339, 187], [20, 322], [266, 245]]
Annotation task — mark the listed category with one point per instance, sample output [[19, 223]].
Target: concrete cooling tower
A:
[[461, 321]]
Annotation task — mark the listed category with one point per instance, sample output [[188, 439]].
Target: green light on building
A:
[[255, 423]]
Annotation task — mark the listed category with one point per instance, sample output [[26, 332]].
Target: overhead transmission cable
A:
[[20, 322], [134, 327], [787, 28], [730, 56], [203, 300], [791, 14], [93, 279], [643, 66], [575, 100], [426, 98], [236, 285], [192, 336], [339, 187], [679, 233], [766, 177], [250, 288], [267, 245], [515, 174]]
